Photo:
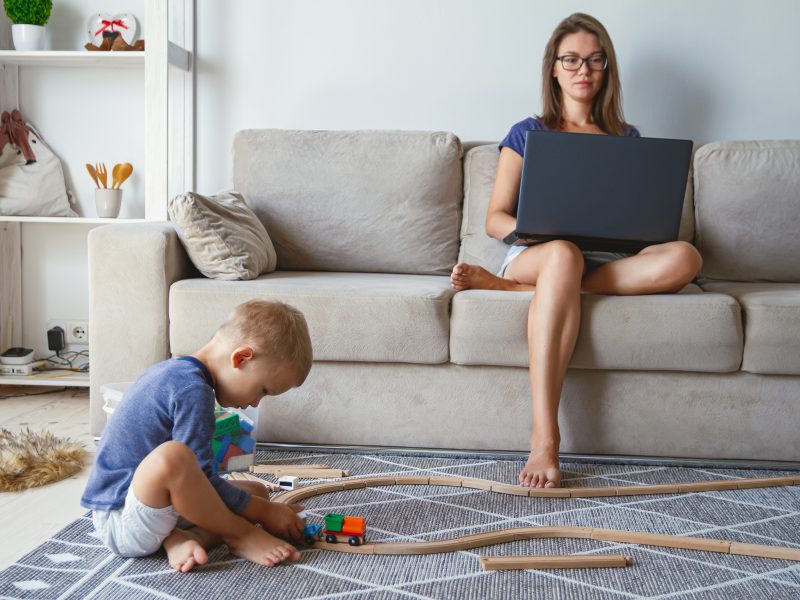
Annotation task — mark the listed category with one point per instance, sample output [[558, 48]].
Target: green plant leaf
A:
[[28, 12]]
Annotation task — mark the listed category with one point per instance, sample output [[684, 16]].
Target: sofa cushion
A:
[[747, 203], [222, 236], [360, 201], [480, 167], [771, 324], [351, 316], [689, 331]]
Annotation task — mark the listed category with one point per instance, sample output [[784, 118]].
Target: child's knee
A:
[[171, 457]]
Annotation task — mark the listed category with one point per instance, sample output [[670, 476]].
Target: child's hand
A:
[[281, 520]]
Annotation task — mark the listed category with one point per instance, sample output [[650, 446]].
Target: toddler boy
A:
[[154, 461]]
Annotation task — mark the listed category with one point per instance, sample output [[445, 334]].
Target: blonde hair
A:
[[607, 104], [274, 329]]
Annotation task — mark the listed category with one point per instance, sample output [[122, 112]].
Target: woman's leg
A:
[[555, 268], [656, 269]]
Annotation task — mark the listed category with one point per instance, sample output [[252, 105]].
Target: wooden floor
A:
[[30, 517]]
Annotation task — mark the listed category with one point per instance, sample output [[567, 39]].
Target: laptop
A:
[[601, 192]]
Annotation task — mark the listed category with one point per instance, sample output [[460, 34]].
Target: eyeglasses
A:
[[570, 62]]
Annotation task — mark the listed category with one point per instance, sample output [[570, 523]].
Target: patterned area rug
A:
[[74, 565]]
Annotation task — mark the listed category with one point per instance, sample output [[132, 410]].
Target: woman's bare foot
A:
[[473, 277], [184, 550], [262, 548], [542, 470]]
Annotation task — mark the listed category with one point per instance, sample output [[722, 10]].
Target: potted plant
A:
[[28, 18]]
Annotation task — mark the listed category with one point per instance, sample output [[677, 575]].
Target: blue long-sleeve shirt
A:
[[172, 400]]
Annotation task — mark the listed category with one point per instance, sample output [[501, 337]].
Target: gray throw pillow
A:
[[223, 237]]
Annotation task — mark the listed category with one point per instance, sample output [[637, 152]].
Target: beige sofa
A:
[[367, 226]]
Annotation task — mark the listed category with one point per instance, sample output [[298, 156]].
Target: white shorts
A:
[[592, 259], [135, 529]]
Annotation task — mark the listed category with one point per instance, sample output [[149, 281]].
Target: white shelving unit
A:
[[168, 165]]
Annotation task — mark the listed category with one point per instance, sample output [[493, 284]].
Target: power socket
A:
[[76, 331]]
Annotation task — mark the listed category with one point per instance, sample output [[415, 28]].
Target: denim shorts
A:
[[592, 258]]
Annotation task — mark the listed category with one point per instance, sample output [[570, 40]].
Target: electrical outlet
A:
[[76, 332]]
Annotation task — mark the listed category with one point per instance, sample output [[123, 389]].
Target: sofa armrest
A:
[[131, 268]]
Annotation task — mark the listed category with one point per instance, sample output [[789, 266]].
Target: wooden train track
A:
[[524, 533]]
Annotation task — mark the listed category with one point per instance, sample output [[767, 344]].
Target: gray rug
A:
[[74, 565]]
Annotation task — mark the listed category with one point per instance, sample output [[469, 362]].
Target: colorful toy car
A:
[[341, 528], [312, 533]]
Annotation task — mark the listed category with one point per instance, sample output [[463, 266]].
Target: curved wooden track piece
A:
[[523, 533]]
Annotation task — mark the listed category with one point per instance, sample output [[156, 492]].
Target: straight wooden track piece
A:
[[494, 563], [413, 480], [549, 493], [765, 551], [646, 490], [746, 484], [708, 486], [477, 484], [305, 473], [239, 476], [443, 480], [272, 469], [668, 541], [592, 492], [513, 490]]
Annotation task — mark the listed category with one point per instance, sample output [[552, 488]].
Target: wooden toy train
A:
[[338, 528]]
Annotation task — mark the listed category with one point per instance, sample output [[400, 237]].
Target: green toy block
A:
[[215, 444], [334, 521], [227, 424]]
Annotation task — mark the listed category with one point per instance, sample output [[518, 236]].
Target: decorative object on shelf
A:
[[31, 177], [29, 18], [117, 33], [108, 199]]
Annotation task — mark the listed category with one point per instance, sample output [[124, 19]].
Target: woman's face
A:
[[583, 84]]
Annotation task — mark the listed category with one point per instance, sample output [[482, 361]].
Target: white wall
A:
[[700, 69]]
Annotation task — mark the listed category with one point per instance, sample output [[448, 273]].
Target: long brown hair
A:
[[607, 104]]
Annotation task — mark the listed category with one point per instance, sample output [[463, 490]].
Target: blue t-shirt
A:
[[172, 400], [516, 136]]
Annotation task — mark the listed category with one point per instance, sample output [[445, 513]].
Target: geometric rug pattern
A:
[[73, 564]]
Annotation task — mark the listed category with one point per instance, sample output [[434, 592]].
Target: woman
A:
[[581, 94]]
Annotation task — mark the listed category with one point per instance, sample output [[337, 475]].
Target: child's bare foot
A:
[[262, 548], [184, 550], [542, 470]]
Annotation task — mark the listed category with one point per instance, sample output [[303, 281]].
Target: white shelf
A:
[[71, 220], [72, 58], [67, 379]]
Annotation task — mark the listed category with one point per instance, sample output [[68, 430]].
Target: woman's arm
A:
[[500, 220]]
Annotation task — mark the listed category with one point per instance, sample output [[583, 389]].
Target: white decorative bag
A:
[[31, 177]]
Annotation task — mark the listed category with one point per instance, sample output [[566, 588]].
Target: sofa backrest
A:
[[747, 209], [364, 201], [480, 167]]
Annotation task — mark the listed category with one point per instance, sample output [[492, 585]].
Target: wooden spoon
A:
[[92, 174], [115, 175], [125, 170]]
